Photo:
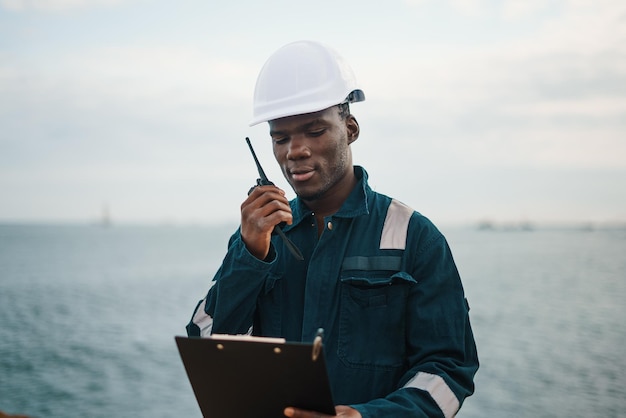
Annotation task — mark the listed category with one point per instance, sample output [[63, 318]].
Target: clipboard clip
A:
[[317, 344]]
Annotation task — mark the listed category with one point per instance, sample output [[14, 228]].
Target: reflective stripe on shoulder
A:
[[203, 320], [438, 390], [396, 226]]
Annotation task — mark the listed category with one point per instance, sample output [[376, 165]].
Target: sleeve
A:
[[229, 305], [442, 354]]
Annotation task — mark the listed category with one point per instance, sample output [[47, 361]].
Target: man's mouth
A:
[[302, 174]]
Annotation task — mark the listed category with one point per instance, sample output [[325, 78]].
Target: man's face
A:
[[313, 150]]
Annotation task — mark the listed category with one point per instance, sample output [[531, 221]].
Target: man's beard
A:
[[336, 174]]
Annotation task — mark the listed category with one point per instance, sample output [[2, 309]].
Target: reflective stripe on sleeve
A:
[[396, 226], [203, 320], [438, 390]]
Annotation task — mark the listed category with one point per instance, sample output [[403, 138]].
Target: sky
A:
[[475, 110]]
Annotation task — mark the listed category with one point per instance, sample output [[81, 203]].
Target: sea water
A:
[[88, 317]]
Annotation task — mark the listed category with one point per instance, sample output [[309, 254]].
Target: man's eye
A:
[[280, 140], [319, 132]]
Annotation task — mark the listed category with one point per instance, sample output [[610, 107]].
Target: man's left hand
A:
[[340, 411]]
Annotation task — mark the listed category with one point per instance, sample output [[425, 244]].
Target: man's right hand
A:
[[265, 207]]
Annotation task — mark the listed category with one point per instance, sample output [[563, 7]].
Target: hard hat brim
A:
[[355, 95]]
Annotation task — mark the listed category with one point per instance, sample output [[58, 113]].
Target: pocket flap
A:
[[398, 277]]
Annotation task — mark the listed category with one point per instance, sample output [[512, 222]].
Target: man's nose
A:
[[298, 148]]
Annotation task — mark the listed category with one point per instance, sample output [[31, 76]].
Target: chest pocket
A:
[[372, 325]]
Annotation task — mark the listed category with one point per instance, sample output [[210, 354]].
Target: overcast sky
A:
[[507, 111]]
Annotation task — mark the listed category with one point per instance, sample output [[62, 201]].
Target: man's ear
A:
[[353, 128]]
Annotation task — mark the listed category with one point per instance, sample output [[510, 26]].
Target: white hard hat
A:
[[302, 77]]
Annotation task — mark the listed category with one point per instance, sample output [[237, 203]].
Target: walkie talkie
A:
[[264, 181]]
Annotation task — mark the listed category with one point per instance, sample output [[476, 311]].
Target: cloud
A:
[[539, 99], [147, 82], [142, 113], [177, 73], [145, 117], [515, 10], [55, 5], [471, 8]]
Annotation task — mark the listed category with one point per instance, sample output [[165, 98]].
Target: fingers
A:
[[259, 196], [265, 207], [299, 413], [340, 410]]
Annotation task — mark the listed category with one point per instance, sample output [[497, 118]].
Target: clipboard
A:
[[244, 376]]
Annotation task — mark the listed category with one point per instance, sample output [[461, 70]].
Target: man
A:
[[377, 276]]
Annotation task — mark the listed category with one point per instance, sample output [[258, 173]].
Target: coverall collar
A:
[[355, 204]]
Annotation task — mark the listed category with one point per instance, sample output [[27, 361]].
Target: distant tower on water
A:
[[105, 219]]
